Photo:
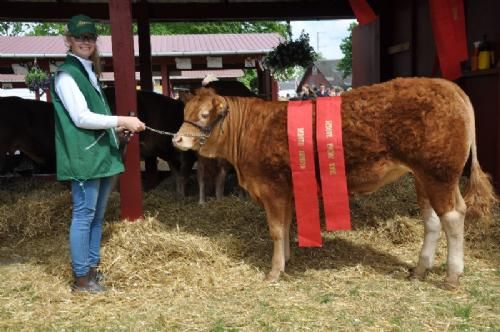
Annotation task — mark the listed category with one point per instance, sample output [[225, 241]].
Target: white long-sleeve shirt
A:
[[75, 103]]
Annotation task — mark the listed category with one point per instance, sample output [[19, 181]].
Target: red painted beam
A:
[[165, 81], [126, 101]]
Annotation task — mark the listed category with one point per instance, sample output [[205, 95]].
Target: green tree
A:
[[216, 27], [57, 29], [13, 28], [250, 79], [345, 64]]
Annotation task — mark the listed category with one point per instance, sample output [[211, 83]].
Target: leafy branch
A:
[[37, 80], [291, 53]]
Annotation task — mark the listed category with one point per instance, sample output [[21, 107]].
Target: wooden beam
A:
[[126, 101], [248, 11], [144, 47], [51, 12], [239, 11]]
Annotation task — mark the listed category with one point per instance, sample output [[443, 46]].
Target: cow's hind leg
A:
[[432, 232], [446, 200], [453, 224]]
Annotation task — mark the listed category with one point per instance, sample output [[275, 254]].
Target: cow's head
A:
[[202, 114]]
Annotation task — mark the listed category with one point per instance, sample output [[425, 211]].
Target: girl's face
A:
[[84, 46]]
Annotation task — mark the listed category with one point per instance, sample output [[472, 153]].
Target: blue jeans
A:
[[89, 205]]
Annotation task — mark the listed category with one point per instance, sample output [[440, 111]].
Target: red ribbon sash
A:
[[305, 188], [331, 162], [448, 25], [363, 12]]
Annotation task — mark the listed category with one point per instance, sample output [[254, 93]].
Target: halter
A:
[[207, 130]]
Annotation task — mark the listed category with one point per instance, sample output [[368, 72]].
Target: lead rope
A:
[[168, 133]]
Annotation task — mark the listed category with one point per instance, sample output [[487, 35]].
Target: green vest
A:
[[83, 154]]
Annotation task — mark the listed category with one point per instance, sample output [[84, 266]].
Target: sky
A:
[[325, 36]]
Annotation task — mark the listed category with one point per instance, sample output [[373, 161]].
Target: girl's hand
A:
[[131, 123]]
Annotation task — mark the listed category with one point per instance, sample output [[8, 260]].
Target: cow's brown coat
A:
[[425, 126]]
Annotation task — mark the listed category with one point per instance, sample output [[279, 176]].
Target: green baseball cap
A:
[[80, 25]]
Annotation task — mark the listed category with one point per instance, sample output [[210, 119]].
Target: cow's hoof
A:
[[418, 274], [451, 283], [272, 277]]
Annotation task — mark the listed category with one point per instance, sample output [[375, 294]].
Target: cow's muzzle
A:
[[206, 131]]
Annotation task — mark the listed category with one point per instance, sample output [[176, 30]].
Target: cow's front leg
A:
[[220, 180], [276, 211], [288, 221], [200, 175]]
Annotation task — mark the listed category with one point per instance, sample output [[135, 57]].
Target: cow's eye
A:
[[204, 116]]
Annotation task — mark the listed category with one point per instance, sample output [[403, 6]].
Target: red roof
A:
[[171, 45], [176, 75]]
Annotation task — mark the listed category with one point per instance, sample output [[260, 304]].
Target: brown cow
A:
[[211, 172], [419, 125]]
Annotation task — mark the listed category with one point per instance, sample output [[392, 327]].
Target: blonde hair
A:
[[94, 57]]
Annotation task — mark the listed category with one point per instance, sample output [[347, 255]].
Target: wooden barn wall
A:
[[424, 48], [408, 21], [407, 43], [483, 18], [483, 87], [396, 51], [407, 49], [366, 60]]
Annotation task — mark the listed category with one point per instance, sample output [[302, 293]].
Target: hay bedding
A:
[[190, 267]]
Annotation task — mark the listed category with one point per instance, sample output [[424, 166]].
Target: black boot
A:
[[84, 284]]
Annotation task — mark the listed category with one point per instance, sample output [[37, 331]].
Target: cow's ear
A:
[[220, 104], [185, 96]]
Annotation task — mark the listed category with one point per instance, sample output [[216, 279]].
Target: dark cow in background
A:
[[418, 125], [164, 114], [28, 126], [230, 88]]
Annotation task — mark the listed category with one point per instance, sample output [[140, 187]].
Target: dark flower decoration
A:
[[291, 53]]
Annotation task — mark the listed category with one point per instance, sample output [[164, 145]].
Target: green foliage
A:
[[170, 28], [250, 79], [345, 64], [57, 29], [289, 73], [162, 28], [12, 28], [47, 29], [37, 79], [291, 53]]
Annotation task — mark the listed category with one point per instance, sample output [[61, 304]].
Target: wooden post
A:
[[45, 65], [260, 81], [267, 81], [150, 163], [274, 89], [126, 101], [144, 46], [165, 80]]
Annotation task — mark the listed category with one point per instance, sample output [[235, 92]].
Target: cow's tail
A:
[[480, 196]]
